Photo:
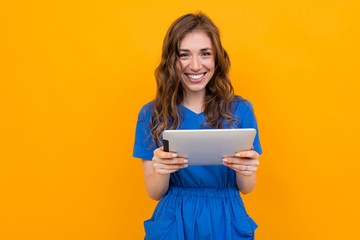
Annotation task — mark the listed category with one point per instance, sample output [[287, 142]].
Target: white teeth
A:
[[196, 76]]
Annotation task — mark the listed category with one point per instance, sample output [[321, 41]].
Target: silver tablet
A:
[[208, 146]]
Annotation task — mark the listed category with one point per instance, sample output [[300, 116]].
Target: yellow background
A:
[[74, 74]]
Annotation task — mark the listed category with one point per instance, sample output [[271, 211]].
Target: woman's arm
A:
[[157, 172], [156, 184], [245, 184]]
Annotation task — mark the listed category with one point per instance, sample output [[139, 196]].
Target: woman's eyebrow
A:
[[206, 49], [203, 49]]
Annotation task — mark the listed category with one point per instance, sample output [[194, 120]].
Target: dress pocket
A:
[[243, 228], [160, 230]]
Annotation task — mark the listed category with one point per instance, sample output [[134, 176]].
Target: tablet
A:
[[208, 146]]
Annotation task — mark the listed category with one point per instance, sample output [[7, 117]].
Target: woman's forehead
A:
[[195, 40]]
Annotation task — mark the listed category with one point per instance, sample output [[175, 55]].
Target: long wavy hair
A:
[[219, 96]]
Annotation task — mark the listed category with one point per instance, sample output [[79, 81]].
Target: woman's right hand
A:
[[167, 162]]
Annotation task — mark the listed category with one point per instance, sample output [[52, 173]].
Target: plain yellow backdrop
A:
[[74, 74]]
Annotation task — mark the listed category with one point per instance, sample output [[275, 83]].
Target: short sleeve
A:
[[144, 145], [248, 120]]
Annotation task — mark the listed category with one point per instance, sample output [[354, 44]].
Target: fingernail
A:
[[174, 155], [185, 161], [238, 154], [225, 160]]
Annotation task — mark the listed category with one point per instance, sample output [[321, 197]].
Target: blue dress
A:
[[202, 202]]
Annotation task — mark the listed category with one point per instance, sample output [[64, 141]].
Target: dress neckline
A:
[[191, 111]]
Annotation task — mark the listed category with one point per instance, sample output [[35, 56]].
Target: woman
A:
[[194, 92]]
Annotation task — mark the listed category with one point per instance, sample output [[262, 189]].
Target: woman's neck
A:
[[194, 102]]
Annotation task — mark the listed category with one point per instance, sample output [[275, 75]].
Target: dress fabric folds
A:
[[200, 213]]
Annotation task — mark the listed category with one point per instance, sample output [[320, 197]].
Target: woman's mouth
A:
[[195, 78]]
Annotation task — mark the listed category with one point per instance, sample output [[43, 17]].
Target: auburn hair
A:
[[219, 96]]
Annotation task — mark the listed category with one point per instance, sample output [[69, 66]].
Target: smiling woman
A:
[[196, 65], [194, 92], [186, 38]]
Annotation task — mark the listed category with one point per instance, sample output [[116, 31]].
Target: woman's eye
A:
[[206, 54], [184, 55]]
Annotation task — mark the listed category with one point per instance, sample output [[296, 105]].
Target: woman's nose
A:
[[195, 64]]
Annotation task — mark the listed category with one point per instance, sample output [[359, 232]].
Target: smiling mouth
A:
[[195, 77]]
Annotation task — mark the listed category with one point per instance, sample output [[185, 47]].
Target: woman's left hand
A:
[[244, 162]]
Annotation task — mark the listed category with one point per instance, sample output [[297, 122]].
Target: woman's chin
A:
[[195, 89]]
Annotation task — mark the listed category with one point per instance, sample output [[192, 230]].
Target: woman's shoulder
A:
[[148, 106], [242, 105], [146, 111], [244, 111]]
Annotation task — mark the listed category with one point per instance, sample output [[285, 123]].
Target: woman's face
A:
[[196, 63]]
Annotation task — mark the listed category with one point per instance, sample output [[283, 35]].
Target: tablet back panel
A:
[[208, 146]]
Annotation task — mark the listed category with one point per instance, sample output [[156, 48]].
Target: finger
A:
[[242, 161], [168, 166], [247, 154], [242, 169], [170, 161], [246, 168], [159, 152], [165, 169]]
